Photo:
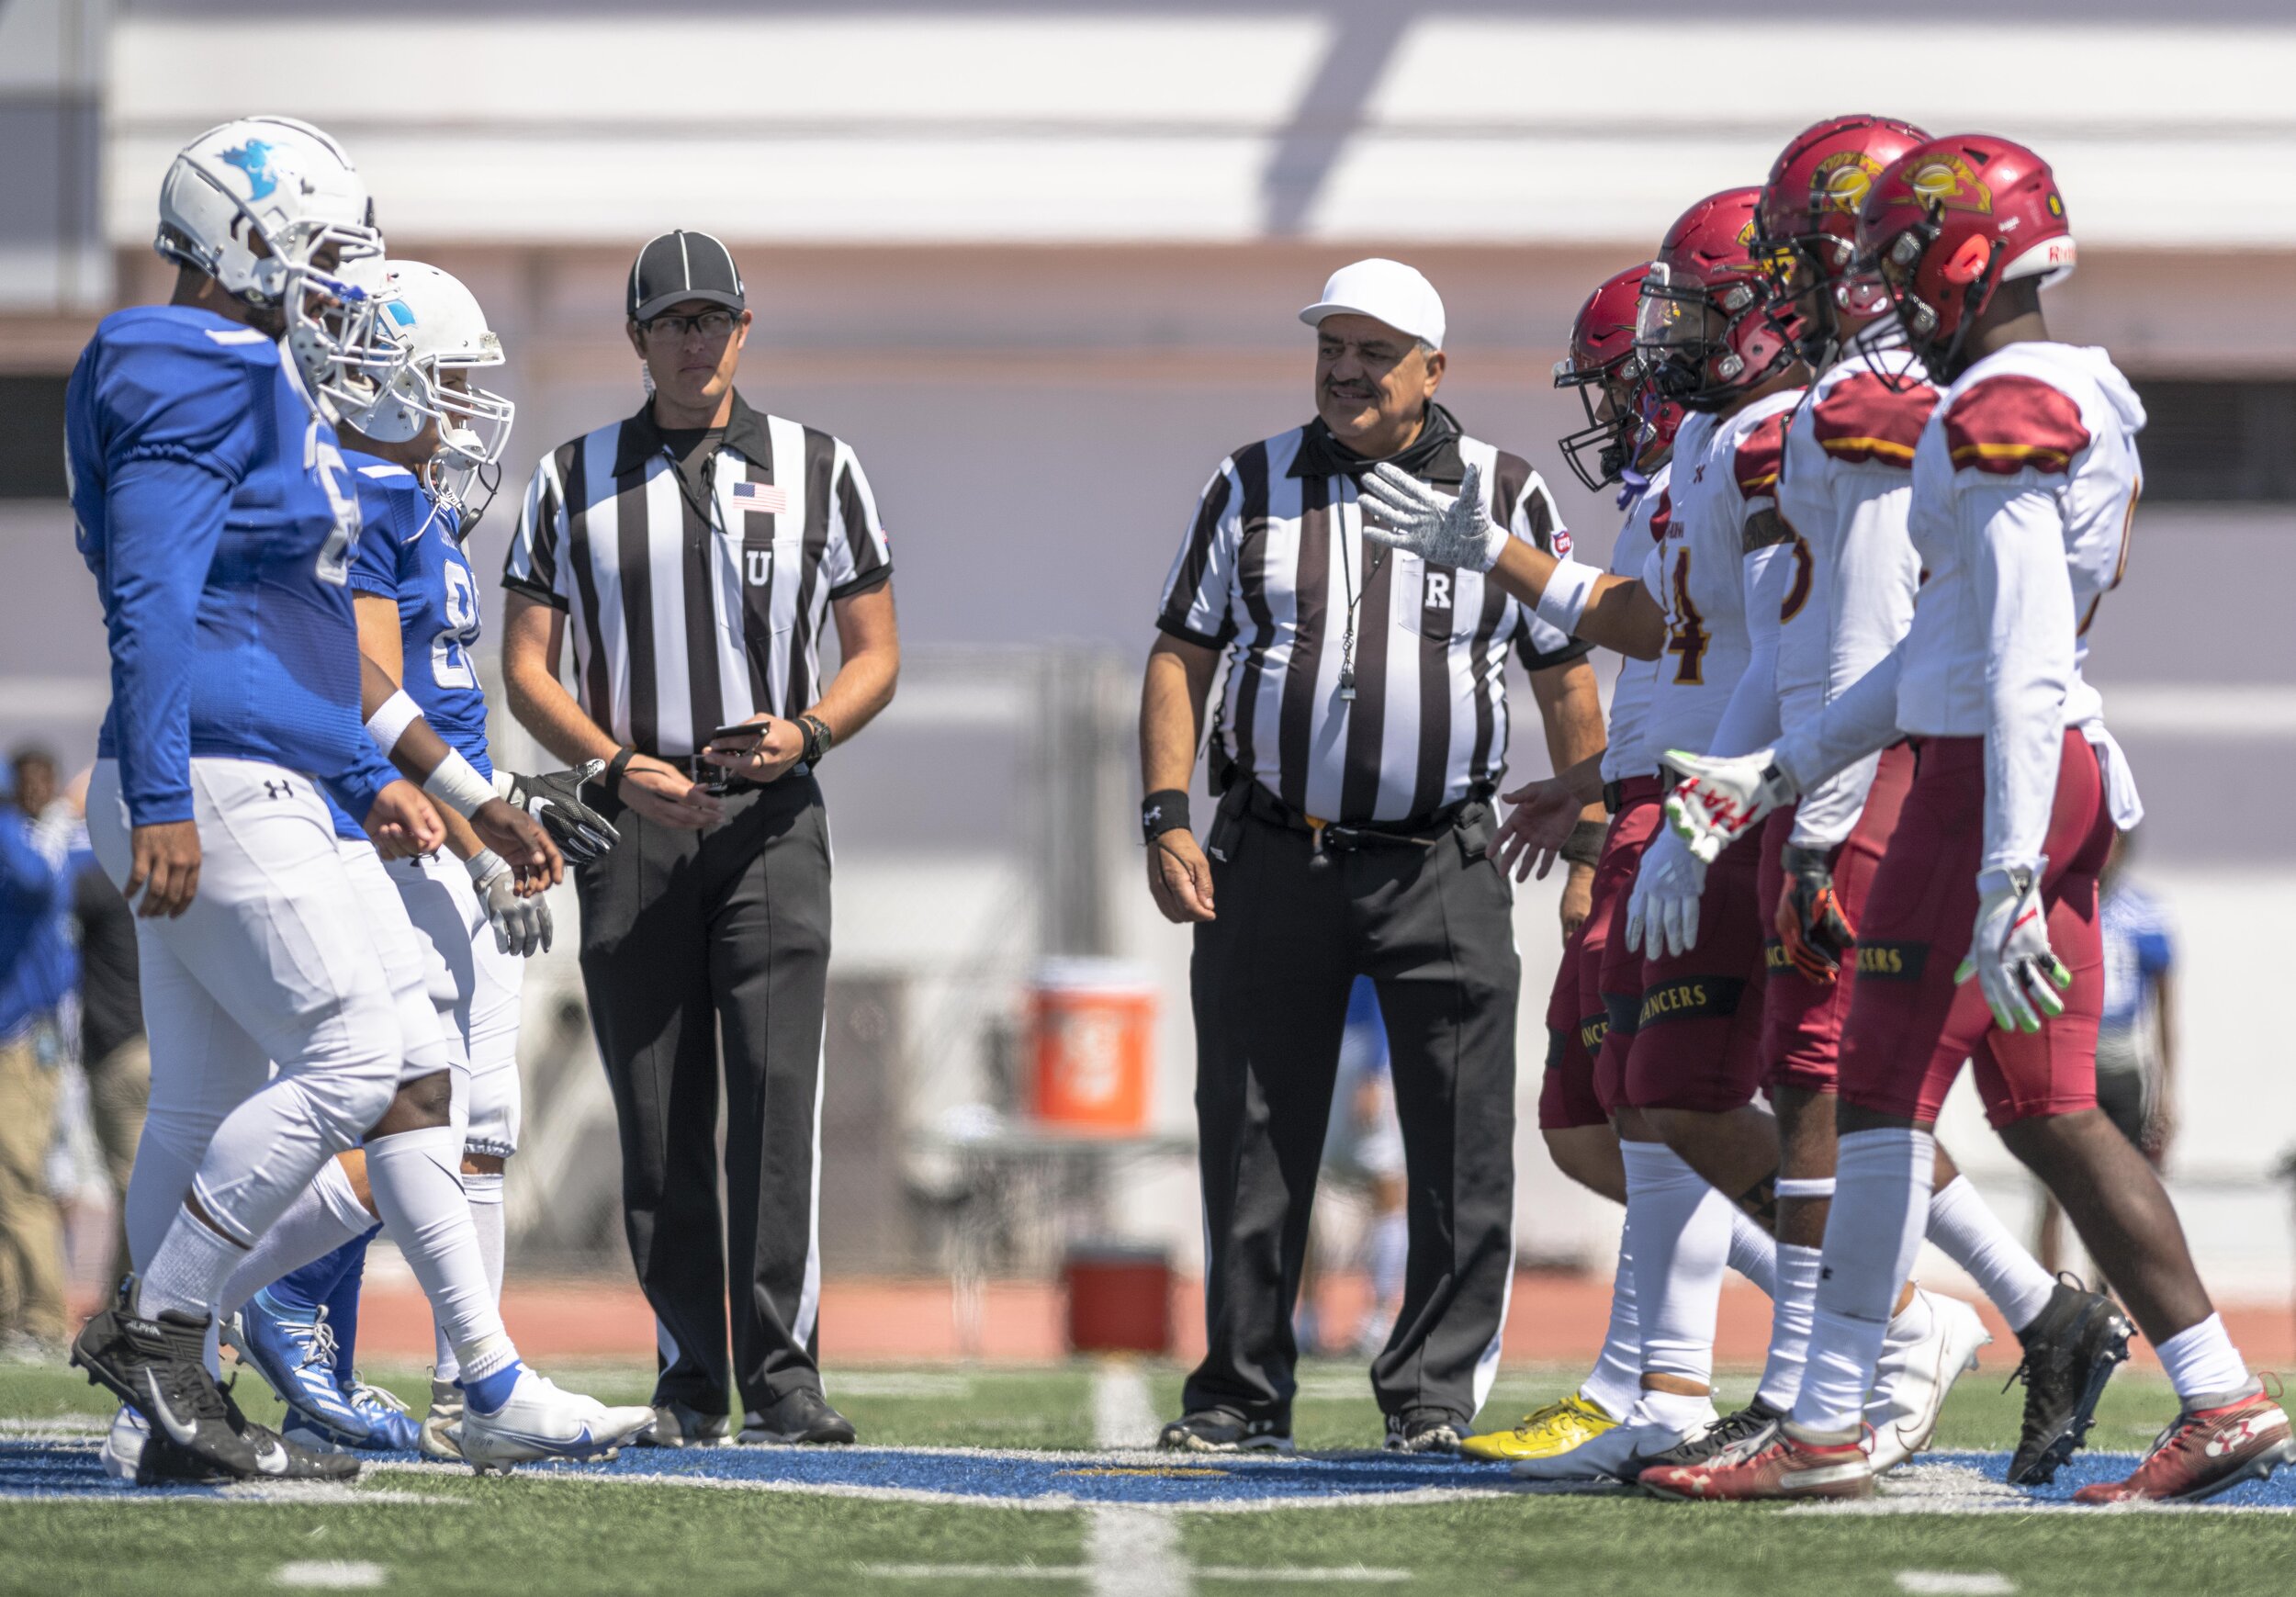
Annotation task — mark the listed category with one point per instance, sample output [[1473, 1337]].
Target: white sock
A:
[[1675, 1410], [187, 1272], [1391, 1253], [1682, 1231], [1873, 1235], [1753, 1252], [2202, 1362], [1617, 1379], [1967, 1232], [484, 1189], [417, 1180], [327, 1215], [1792, 1307]]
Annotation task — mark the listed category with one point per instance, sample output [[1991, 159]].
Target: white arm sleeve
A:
[[1861, 722], [1750, 721], [2013, 535], [1876, 575]]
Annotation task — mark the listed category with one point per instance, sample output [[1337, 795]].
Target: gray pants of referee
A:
[[1431, 924], [687, 938]]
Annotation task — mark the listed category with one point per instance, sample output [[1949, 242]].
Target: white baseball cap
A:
[[1386, 291]]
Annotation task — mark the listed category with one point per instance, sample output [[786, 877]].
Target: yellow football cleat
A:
[[1557, 1428]]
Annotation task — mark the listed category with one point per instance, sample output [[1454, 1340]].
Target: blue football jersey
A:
[[216, 513], [409, 553]]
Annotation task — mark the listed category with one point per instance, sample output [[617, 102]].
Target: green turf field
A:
[[566, 1532]]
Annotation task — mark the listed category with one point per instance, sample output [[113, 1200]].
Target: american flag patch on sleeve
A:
[[760, 496]]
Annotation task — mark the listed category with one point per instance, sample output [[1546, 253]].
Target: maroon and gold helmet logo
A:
[[1842, 180], [1948, 183]]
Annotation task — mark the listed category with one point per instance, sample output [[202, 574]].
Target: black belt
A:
[[1418, 831]]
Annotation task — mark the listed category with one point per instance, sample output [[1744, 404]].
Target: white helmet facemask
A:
[[273, 210], [438, 333]]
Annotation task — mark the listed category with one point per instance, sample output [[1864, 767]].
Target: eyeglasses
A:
[[710, 324]]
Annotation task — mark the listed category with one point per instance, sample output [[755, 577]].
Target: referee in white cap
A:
[[1360, 733], [695, 553]]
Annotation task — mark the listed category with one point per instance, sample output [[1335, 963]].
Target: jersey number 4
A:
[[450, 651], [1688, 637]]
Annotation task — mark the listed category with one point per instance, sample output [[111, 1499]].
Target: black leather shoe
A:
[[801, 1419]]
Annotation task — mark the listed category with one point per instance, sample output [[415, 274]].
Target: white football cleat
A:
[[1619, 1454], [444, 1423], [540, 1422], [1917, 1367]]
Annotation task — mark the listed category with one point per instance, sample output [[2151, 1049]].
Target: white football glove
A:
[[1662, 911], [2009, 952], [522, 926], [1720, 799], [1403, 512]]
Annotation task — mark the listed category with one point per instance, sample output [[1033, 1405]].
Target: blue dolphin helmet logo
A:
[[253, 158]]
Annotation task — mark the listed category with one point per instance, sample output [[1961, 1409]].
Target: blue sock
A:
[[301, 1292], [489, 1393], [343, 1304]]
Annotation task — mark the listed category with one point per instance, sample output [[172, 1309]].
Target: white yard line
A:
[[331, 1575], [976, 1571], [1954, 1583], [1122, 1413], [1134, 1552]]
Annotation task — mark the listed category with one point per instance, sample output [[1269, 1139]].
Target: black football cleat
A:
[[2071, 1349], [1223, 1431], [803, 1419], [1740, 1434], [1424, 1431]]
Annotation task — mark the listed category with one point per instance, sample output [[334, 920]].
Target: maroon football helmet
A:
[[1951, 220], [1606, 372], [1805, 231], [1703, 327]]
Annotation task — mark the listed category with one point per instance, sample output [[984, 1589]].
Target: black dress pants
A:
[[1431, 924], [698, 945]]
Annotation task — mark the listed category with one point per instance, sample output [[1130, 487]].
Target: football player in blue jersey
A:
[[458, 928], [215, 513]]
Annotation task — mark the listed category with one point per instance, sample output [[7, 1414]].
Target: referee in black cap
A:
[[693, 552]]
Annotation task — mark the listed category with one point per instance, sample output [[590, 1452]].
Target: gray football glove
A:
[[554, 799], [1404, 514], [522, 926]]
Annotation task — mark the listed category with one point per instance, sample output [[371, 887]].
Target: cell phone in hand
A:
[[739, 732]]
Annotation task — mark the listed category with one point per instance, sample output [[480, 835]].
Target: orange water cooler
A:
[[1092, 1025]]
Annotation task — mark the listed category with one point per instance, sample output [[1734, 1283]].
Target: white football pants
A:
[[481, 987], [274, 960]]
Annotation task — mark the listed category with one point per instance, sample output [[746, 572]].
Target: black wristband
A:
[[1166, 810], [1584, 846], [818, 738], [615, 766]]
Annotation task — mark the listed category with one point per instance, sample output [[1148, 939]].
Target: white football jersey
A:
[[1845, 489], [1627, 754], [1725, 470], [2048, 420]]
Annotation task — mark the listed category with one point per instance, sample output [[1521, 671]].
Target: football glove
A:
[[1662, 911], [1811, 925], [522, 926], [2009, 952], [1719, 799], [554, 799], [1403, 512]]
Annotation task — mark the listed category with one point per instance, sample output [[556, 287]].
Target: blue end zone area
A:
[[1939, 1483]]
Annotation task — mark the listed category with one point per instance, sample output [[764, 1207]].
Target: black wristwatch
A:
[[818, 738]]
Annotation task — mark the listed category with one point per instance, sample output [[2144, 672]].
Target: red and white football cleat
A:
[[2205, 1451], [1788, 1466]]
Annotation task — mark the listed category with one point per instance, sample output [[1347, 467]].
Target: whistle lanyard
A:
[[1355, 598]]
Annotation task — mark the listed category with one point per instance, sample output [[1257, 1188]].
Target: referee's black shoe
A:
[[157, 1364], [1223, 1431], [2070, 1351], [800, 1420]]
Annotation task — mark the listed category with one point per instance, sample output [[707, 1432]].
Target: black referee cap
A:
[[683, 265]]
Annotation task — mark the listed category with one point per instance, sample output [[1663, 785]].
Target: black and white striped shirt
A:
[[1266, 573], [687, 614]]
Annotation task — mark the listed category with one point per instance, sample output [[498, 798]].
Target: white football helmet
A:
[[255, 204], [439, 335]]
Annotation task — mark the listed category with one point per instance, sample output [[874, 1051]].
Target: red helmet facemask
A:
[[1950, 221], [1806, 230], [1601, 364], [1703, 328]]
